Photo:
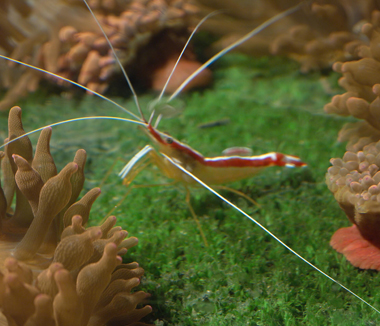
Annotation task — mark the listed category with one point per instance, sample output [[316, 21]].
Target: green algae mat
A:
[[244, 277]]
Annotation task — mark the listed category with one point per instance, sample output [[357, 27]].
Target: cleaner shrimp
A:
[[227, 286]]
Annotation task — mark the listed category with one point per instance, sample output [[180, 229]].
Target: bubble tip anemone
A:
[[69, 274]]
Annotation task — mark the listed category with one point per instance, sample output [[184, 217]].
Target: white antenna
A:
[[73, 120], [73, 83], [234, 45], [183, 50], [158, 99], [118, 62]]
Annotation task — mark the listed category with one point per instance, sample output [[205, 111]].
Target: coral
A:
[[355, 183], [236, 18], [63, 37], [323, 32], [362, 84], [54, 271]]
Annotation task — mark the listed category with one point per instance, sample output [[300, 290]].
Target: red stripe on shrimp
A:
[[268, 159]]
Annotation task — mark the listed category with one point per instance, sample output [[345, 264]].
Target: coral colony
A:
[[67, 41]]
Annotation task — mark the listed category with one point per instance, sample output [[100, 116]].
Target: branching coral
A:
[[355, 183], [63, 37], [54, 271]]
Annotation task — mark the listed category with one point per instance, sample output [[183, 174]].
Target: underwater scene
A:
[[283, 128]]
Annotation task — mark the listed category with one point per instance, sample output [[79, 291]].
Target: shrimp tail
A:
[[289, 161]]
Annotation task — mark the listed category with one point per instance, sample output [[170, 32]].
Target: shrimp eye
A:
[[169, 140]]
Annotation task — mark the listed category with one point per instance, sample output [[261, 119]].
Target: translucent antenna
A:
[[151, 117], [159, 98], [267, 231], [158, 121], [73, 120], [184, 49], [118, 62], [234, 45], [73, 83]]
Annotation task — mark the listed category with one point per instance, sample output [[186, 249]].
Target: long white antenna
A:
[[183, 50], [73, 120], [73, 83], [234, 45], [158, 99], [118, 62]]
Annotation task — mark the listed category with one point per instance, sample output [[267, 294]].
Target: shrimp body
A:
[[211, 170]]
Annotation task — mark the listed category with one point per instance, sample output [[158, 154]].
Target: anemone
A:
[[54, 270], [324, 33], [362, 84], [316, 36]]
